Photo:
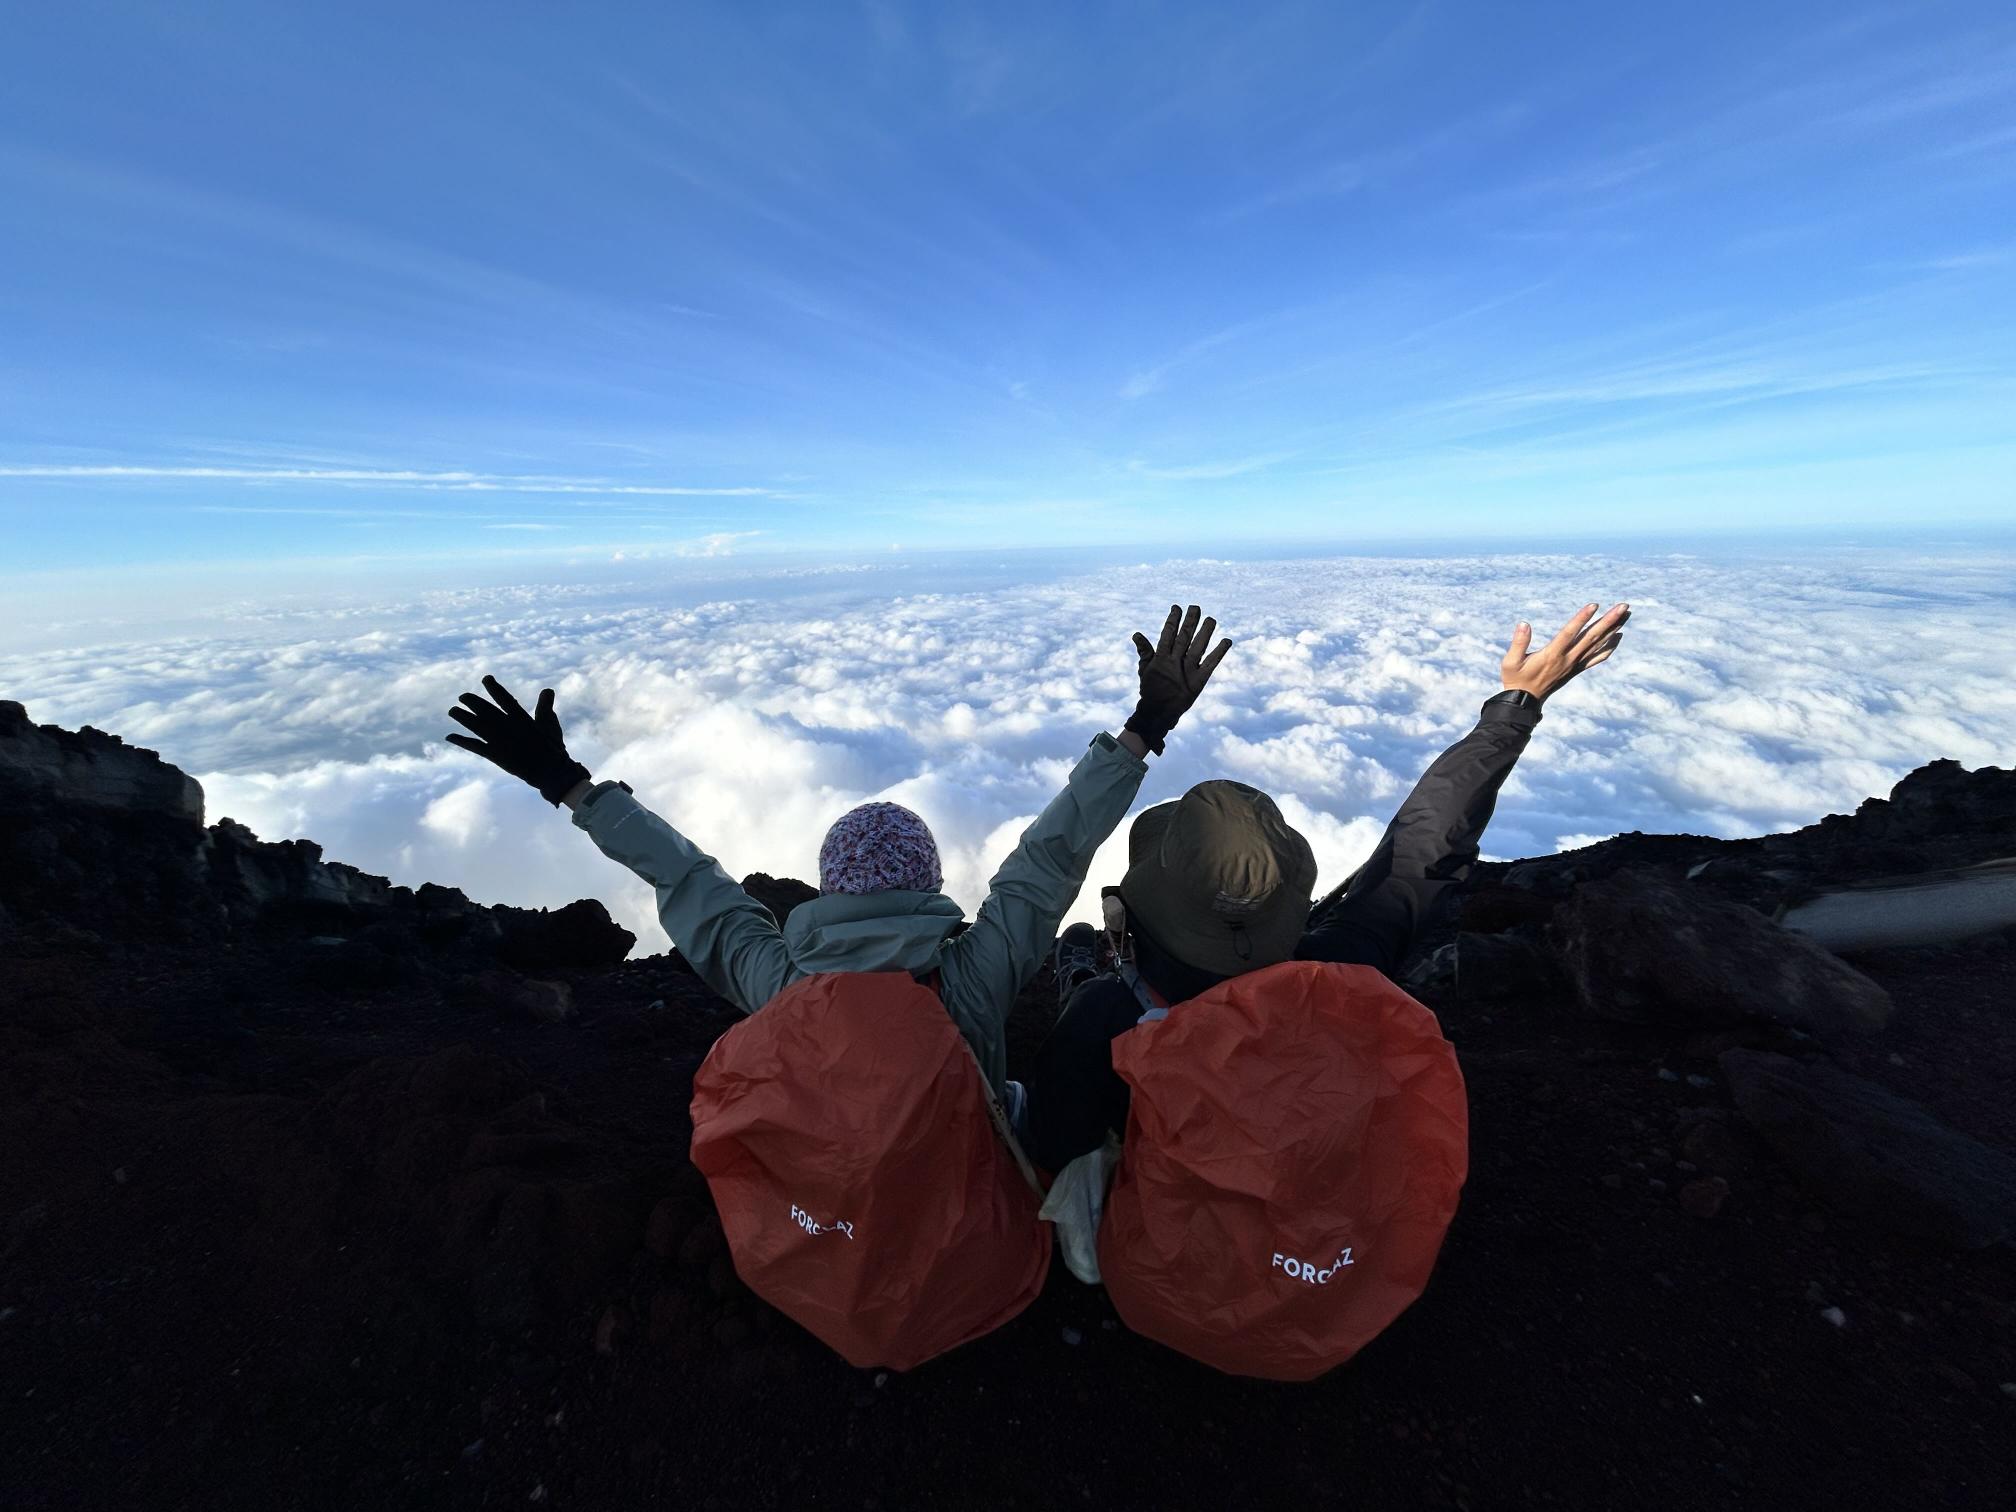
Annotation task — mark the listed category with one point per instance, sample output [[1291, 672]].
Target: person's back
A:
[[1232, 896], [863, 1097], [1247, 1087], [880, 906]]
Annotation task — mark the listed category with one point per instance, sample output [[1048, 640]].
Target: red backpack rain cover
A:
[[1297, 1141], [844, 1131]]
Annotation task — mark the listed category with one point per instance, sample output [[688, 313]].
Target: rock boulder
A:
[[778, 894], [88, 768], [1642, 949], [1875, 1154]]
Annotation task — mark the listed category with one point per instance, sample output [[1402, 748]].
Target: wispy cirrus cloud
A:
[[1231, 467], [456, 480], [1967, 262]]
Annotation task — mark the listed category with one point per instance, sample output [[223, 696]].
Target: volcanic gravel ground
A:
[[271, 1241]]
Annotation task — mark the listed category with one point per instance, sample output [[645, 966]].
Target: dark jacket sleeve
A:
[[1075, 1095], [1428, 848]]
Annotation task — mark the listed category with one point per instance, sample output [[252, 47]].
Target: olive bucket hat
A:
[[1220, 879]]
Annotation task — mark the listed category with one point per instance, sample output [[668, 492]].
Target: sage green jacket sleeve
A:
[[986, 966], [725, 935]]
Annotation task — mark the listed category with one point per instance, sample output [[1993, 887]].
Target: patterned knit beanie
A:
[[876, 848]]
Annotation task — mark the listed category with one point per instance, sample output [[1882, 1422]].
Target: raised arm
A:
[[729, 938], [1028, 896], [1373, 917]]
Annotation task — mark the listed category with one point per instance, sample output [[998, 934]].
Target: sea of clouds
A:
[[1752, 693]]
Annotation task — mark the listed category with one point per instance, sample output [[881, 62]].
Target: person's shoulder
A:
[[1105, 985], [1099, 1004]]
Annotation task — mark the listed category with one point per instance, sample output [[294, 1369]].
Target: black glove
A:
[[528, 746], [1173, 672]]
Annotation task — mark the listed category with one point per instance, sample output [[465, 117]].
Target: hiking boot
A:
[[1076, 959]]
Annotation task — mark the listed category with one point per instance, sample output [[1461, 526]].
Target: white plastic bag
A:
[[1076, 1202]]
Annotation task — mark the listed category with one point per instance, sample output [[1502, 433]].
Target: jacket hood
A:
[[878, 931]]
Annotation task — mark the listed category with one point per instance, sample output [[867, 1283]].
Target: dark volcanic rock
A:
[[514, 997], [1557, 876], [89, 768], [1875, 1154], [778, 894], [273, 1230], [1643, 950], [287, 882], [580, 935], [1940, 815], [95, 833], [1494, 909], [1936, 817], [1509, 965]]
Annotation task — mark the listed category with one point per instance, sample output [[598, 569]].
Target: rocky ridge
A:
[[324, 1191]]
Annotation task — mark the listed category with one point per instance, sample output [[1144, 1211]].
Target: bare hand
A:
[[1583, 642]]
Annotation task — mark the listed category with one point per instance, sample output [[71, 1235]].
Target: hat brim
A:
[[1199, 937], [1144, 836]]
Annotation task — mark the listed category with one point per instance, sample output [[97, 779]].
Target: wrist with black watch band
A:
[[1518, 698]]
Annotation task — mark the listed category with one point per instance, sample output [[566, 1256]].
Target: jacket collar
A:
[[880, 931]]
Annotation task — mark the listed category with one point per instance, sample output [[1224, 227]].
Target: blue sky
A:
[[454, 281]]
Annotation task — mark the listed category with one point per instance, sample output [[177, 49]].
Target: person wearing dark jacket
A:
[[1218, 884]]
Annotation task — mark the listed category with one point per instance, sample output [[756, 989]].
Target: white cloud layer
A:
[[1749, 695]]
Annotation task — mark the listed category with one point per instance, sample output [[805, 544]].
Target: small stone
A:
[[1896, 1059], [701, 1243], [1073, 1337], [881, 1378], [1695, 1079], [627, 1027], [1715, 1145], [1667, 1074], [661, 1231], [1835, 1316], [721, 1277], [1704, 1199], [470, 1451], [671, 1312], [610, 1329], [538, 1493], [1110, 1325], [119, 1174], [2009, 1388], [1657, 1186]]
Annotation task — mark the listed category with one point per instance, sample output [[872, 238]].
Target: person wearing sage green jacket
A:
[[880, 908]]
